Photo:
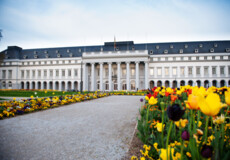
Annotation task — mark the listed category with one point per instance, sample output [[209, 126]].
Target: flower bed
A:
[[12, 108], [186, 123]]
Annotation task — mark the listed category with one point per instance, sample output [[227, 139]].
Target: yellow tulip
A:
[[227, 97], [210, 105], [152, 101], [146, 98], [192, 102]]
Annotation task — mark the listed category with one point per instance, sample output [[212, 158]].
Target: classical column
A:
[[66, 85], [60, 85], [163, 74], [226, 72], [194, 71], [127, 76], [186, 71], [36, 85], [84, 74], [202, 71], [137, 75], [110, 76], [72, 85], [92, 76], [66, 73], [146, 74], [72, 74], [101, 76], [209, 72], [54, 85], [119, 75], [218, 71]]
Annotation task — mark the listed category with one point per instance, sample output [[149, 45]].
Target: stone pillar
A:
[[72, 75], [54, 85], [84, 74], [101, 76], [60, 84], [210, 72], [218, 71], [66, 85], [170, 72], [137, 76], [36, 84], [127, 76], [146, 74], [226, 73], [119, 75], [163, 74], [186, 71], [194, 71], [92, 76], [202, 71], [110, 76]]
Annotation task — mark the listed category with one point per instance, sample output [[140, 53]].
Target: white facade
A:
[[116, 70]]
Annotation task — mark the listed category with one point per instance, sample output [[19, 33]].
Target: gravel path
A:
[[93, 130]]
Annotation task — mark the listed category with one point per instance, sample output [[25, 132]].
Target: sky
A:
[[63, 23]]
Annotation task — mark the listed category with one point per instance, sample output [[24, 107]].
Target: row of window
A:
[[52, 73], [191, 58], [190, 71], [9, 74]]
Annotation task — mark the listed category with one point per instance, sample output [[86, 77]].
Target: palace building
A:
[[117, 66]]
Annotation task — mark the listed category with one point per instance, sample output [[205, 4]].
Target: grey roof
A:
[[14, 52]]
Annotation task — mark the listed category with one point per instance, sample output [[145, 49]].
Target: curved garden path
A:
[[92, 130]]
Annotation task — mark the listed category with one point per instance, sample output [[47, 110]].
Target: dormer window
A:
[[200, 45], [165, 51], [79, 50], [35, 56], [58, 55], [47, 56], [133, 48], [171, 46], [25, 56], [117, 48], [157, 47], [45, 51], [57, 51], [151, 52], [5, 52], [215, 45], [71, 55], [68, 51], [212, 50], [196, 50], [101, 49], [6, 57], [227, 50], [185, 46], [181, 51]]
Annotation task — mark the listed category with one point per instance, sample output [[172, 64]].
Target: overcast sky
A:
[[58, 23]]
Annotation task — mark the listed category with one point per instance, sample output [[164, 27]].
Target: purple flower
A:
[[185, 135], [175, 112], [206, 151], [141, 100]]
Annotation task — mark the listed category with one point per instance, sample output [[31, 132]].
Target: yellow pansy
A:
[[181, 123], [219, 120], [188, 154], [152, 101], [210, 105]]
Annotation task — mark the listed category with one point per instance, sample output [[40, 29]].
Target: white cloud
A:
[[72, 24]]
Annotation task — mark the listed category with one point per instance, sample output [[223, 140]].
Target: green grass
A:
[[2, 99], [28, 93]]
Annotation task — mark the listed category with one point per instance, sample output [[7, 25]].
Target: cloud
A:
[[73, 23]]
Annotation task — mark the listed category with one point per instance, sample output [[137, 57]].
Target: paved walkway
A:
[[92, 130]]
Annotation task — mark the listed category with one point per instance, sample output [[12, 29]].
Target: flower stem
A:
[[167, 142], [206, 129], [182, 148]]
